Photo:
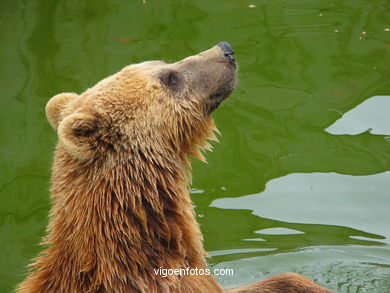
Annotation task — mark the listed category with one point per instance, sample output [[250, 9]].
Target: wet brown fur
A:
[[120, 202]]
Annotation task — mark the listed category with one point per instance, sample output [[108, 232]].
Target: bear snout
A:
[[227, 50]]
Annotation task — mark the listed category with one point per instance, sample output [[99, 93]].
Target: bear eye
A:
[[170, 79]]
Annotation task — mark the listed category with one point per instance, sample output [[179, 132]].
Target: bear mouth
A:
[[218, 97], [221, 94]]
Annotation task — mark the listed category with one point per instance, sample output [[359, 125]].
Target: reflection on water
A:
[[302, 65], [308, 214], [359, 202], [372, 115], [348, 268]]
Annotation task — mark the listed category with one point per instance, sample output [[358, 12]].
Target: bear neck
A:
[[134, 214]]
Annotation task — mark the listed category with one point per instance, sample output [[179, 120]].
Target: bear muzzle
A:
[[227, 50]]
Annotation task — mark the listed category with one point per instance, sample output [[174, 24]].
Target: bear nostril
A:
[[227, 50], [229, 57]]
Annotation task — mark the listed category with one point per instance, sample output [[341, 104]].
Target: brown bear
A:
[[121, 208]]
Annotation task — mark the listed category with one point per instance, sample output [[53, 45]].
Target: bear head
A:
[[151, 109]]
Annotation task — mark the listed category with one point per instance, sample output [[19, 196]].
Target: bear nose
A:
[[227, 50]]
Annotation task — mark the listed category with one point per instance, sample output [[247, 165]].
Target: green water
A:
[[279, 192]]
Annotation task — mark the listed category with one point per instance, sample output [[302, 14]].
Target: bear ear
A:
[[55, 105], [78, 132]]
